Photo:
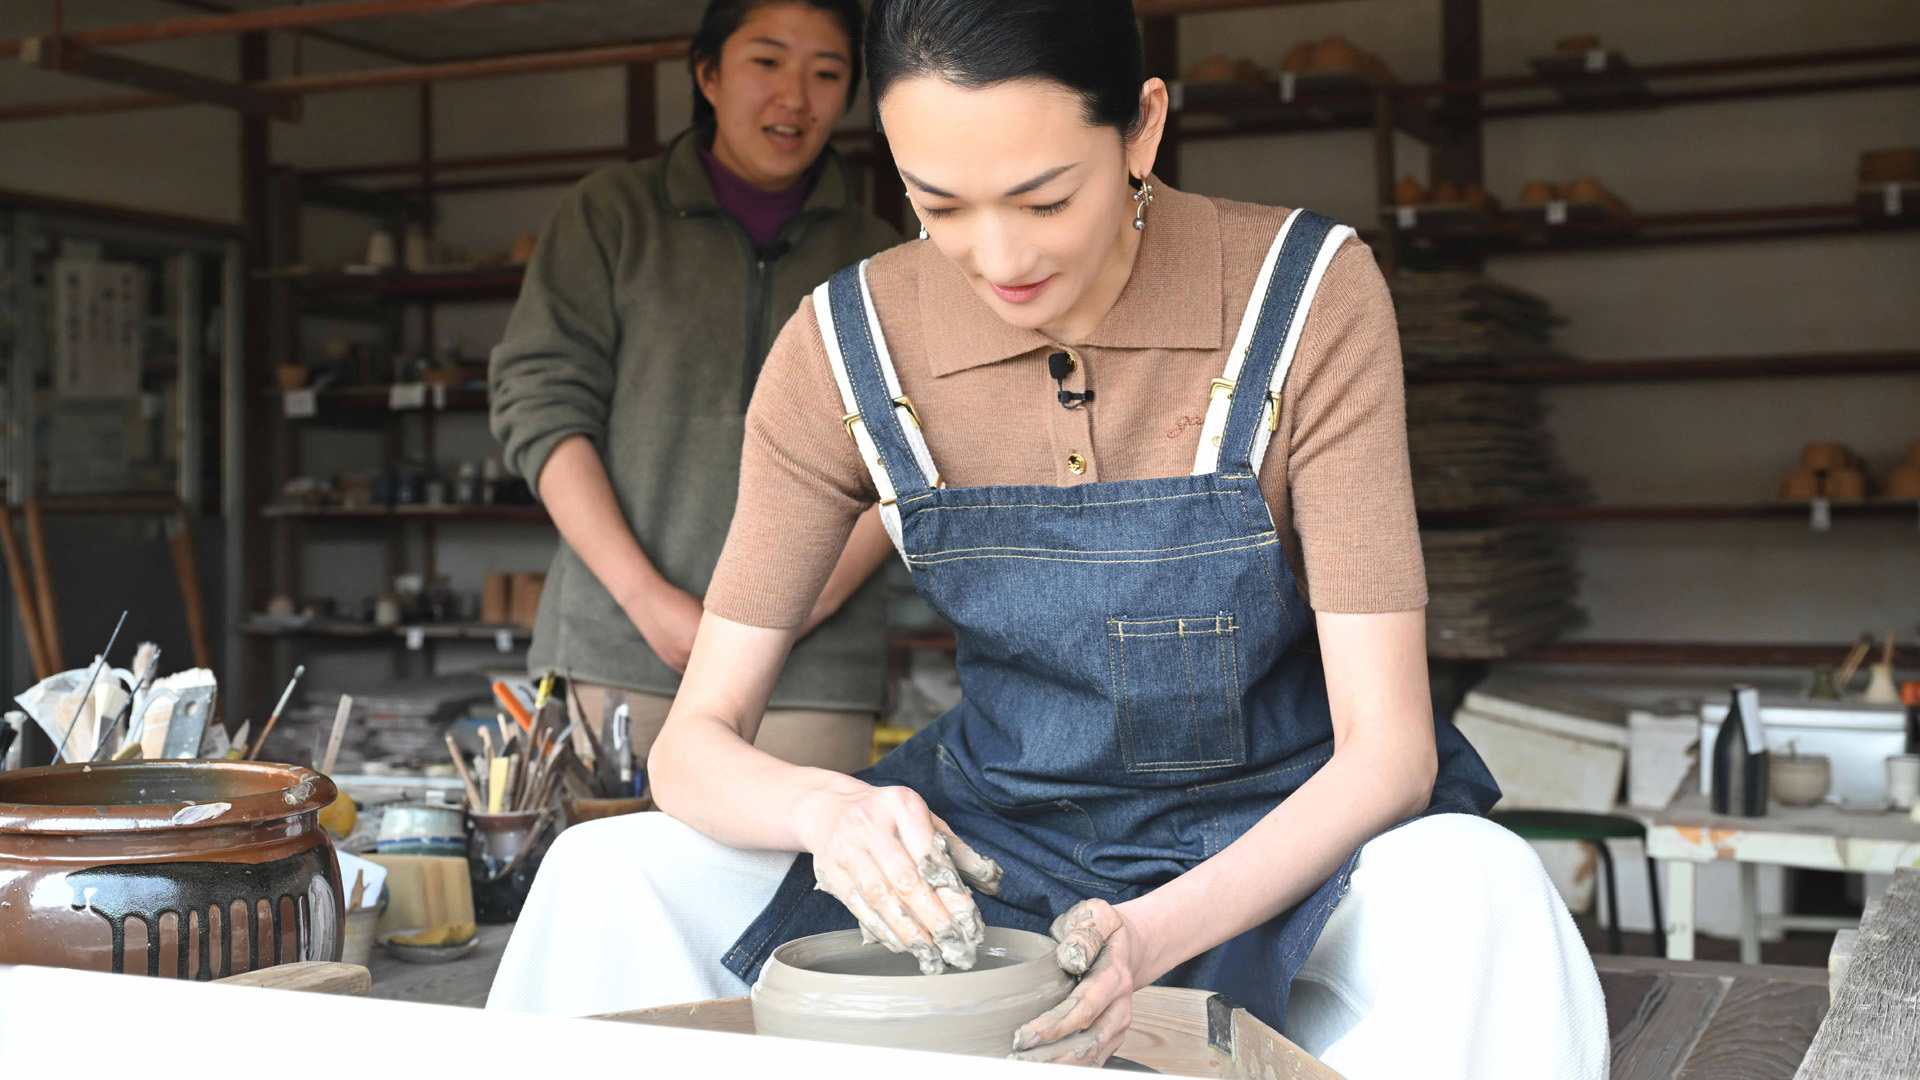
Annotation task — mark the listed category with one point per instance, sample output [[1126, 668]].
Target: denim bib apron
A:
[[1140, 679]]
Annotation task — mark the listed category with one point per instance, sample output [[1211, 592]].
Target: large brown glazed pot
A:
[[154, 867]]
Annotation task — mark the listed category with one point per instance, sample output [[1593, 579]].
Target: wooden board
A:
[[1692, 1020], [1873, 1029], [1174, 1031], [312, 976], [1674, 1018]]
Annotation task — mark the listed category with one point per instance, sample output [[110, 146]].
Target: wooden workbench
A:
[[1823, 837]]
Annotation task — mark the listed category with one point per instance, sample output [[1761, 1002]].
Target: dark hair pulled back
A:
[[1091, 47], [724, 17]]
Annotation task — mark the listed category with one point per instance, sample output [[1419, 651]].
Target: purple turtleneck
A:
[[762, 212]]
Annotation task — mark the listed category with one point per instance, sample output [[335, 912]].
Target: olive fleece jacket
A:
[[643, 322]]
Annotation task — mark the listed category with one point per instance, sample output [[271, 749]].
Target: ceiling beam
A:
[[54, 54], [376, 78], [492, 68], [228, 21]]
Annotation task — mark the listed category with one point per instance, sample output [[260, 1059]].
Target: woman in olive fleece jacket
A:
[[621, 386]]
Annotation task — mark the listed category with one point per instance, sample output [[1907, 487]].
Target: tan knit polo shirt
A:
[[1341, 493]]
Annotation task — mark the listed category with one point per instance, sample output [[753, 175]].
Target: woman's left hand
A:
[[1100, 945]]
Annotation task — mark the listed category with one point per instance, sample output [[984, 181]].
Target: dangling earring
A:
[[1142, 198], [923, 230]]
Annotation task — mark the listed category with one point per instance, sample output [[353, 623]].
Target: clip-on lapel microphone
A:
[[1060, 365]]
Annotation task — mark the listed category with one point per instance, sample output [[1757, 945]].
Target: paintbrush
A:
[[98, 662], [359, 891], [126, 707], [260, 743]]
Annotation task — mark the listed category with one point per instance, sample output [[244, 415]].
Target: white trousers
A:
[[1451, 956]]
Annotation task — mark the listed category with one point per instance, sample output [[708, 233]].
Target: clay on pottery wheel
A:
[[832, 988], [140, 867]]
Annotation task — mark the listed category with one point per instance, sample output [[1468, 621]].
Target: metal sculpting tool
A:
[[98, 663]]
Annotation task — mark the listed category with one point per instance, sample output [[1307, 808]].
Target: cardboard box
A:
[[525, 598], [496, 602]]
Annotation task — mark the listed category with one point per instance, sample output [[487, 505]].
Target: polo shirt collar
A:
[[1171, 301]]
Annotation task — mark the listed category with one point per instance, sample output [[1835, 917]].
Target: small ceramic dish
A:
[[426, 954], [1800, 780], [833, 988]]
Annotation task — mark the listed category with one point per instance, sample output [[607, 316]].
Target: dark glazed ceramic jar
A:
[[185, 869]]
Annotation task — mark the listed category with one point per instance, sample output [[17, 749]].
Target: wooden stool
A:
[[1593, 830]]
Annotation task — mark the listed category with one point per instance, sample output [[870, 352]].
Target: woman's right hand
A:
[[903, 873], [668, 618]]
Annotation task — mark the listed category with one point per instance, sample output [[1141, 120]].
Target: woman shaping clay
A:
[[621, 387], [1146, 451]]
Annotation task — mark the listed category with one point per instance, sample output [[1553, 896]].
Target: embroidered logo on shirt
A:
[[1182, 424]]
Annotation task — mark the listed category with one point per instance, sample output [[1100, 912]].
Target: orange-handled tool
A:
[[509, 702]]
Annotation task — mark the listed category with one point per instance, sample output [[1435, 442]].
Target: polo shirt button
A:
[[1076, 464]]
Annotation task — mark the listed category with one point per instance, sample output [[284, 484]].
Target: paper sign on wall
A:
[[97, 334]]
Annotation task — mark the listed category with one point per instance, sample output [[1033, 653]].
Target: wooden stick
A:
[[339, 732], [1855, 655], [474, 801], [186, 568], [28, 603], [43, 586]]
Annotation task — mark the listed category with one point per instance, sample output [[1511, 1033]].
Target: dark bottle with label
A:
[[1740, 758]]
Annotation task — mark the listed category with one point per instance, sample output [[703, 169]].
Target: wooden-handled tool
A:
[[1880, 687], [338, 733], [1855, 656], [504, 694], [474, 801]]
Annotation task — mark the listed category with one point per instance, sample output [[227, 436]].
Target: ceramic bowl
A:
[[833, 988], [1801, 780]]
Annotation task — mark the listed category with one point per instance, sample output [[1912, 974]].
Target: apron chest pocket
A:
[[1176, 687]]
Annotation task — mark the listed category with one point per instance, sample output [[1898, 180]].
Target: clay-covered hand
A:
[[1098, 944], [904, 875]]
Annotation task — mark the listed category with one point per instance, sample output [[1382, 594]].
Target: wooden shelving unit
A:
[[363, 402], [1512, 236], [445, 286], [261, 626], [536, 515], [1701, 654], [1681, 369], [1447, 116], [1770, 511]]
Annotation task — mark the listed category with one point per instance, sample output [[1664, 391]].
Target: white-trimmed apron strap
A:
[[1330, 247], [856, 426], [1220, 399], [909, 416]]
